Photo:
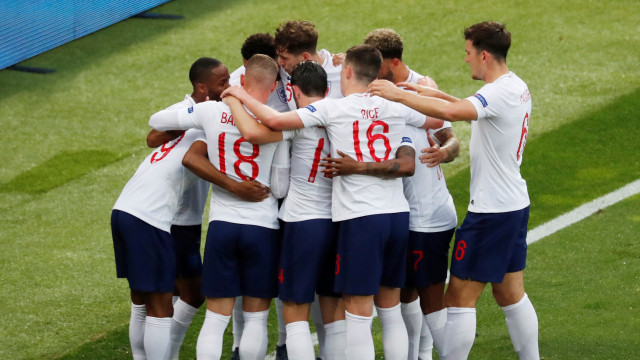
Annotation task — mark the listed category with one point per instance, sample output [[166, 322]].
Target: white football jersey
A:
[[233, 156], [498, 138], [367, 128], [333, 80], [191, 202], [309, 195], [152, 194], [431, 204], [276, 101], [432, 207]]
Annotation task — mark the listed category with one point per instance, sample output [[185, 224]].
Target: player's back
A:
[[152, 193], [431, 205], [241, 161], [309, 195], [367, 128]]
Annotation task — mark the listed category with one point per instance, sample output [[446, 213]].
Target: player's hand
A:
[[428, 82], [433, 156], [338, 59], [385, 89], [251, 190], [421, 90], [235, 91], [344, 165], [230, 100]]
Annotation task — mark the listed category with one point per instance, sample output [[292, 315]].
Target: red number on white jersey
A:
[[523, 136], [241, 158], [316, 161], [165, 150], [372, 138]]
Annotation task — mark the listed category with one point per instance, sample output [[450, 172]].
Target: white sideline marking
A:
[[557, 224], [581, 212]]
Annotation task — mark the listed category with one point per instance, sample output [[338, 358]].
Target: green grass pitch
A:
[[73, 138]]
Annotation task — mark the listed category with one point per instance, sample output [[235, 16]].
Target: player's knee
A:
[[507, 296]]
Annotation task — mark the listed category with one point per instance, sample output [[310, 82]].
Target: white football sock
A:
[[412, 316], [209, 345], [436, 321], [157, 338], [459, 333], [316, 317], [335, 344], [522, 323], [359, 339], [174, 298], [282, 327], [183, 314], [238, 323], [254, 337], [299, 345], [136, 331], [426, 341], [395, 340]]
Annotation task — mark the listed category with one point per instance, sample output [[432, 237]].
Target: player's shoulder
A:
[[185, 103]]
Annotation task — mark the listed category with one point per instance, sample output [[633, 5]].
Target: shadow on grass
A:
[[71, 58], [576, 162], [58, 170]]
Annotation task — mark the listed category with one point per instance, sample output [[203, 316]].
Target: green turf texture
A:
[[73, 139]]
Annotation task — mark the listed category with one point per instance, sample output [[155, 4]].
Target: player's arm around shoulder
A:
[[443, 106], [271, 118], [251, 130]]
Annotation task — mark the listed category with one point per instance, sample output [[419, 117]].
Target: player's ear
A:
[[296, 91], [395, 62], [326, 92], [275, 84], [348, 72], [242, 80], [306, 56]]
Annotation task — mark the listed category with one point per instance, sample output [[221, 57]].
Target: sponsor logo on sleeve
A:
[[483, 101], [190, 109], [406, 139], [310, 108]]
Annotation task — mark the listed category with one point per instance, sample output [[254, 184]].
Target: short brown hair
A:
[[262, 69], [365, 61], [296, 37], [490, 36], [387, 41]]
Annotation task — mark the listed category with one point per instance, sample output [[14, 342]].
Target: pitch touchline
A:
[[582, 212], [559, 223]]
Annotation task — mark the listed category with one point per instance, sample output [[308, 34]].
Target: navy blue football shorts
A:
[[428, 259], [372, 252], [307, 260], [144, 254], [240, 260], [188, 259], [489, 245]]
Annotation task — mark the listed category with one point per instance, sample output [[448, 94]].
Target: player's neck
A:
[[317, 58], [402, 74], [198, 98], [494, 71], [257, 94], [355, 88], [308, 100]]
